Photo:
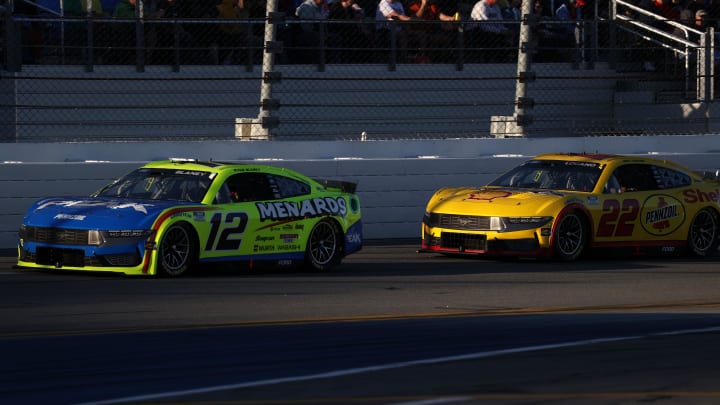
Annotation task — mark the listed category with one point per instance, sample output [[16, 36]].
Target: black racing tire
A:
[[325, 246], [177, 251], [704, 233], [570, 237]]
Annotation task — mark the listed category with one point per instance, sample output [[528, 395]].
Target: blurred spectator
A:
[[566, 12], [311, 10], [123, 34], [701, 20], [433, 35], [347, 25], [108, 6], [308, 39], [390, 10], [687, 18], [236, 37], [78, 8], [490, 33], [125, 9], [387, 11]]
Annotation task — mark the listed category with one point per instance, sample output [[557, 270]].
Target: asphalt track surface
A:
[[390, 326]]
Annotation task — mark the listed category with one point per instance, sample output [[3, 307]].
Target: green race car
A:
[[167, 217]]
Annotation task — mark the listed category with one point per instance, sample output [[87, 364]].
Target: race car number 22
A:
[[237, 220], [618, 219]]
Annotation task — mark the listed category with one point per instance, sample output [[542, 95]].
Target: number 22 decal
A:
[[618, 220], [224, 242]]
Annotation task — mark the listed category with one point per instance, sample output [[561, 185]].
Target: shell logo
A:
[[662, 215], [488, 195]]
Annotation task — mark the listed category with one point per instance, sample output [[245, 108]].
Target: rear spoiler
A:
[[344, 186]]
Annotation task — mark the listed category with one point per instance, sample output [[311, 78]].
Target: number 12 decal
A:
[[224, 242], [618, 220]]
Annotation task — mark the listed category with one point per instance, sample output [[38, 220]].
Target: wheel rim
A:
[[323, 243], [175, 250], [570, 235], [703, 231]]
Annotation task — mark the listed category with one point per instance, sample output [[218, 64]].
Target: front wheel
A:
[[176, 251], [703, 237], [324, 248], [569, 239]]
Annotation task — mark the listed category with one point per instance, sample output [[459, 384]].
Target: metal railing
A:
[[695, 47]]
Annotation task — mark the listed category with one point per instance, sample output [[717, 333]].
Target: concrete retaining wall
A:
[[395, 178]]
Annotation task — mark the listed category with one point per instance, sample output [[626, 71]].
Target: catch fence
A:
[[90, 77]]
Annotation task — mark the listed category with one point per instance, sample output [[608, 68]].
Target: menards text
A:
[[302, 209]]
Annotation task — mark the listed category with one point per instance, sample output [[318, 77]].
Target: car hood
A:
[[493, 201], [95, 213]]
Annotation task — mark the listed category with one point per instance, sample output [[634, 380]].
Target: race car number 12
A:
[[225, 242]]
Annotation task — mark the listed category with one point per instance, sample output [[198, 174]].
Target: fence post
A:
[[265, 122], [612, 33], [11, 62], [139, 37], [12, 52], [90, 38], [705, 66], [525, 48]]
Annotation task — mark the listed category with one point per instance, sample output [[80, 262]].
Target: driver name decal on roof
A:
[[302, 209], [113, 205]]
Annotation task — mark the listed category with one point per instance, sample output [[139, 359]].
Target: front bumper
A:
[[126, 259], [530, 243]]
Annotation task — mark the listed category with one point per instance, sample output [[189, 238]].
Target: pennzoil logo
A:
[[662, 214], [489, 195]]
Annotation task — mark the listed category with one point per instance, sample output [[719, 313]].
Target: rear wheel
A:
[[324, 248], [177, 251], [703, 237], [569, 239]]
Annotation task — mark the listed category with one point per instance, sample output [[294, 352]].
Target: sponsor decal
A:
[[199, 216], [261, 238], [288, 237], [695, 196], [289, 246], [593, 200], [182, 215], [263, 248], [353, 238], [71, 217], [488, 195], [309, 208], [107, 204], [662, 214]]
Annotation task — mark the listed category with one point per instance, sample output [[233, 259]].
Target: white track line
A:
[[359, 370]]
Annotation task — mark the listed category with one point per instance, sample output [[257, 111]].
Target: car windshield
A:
[[552, 175], [160, 184]]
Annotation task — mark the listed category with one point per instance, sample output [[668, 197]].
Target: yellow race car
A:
[[565, 205]]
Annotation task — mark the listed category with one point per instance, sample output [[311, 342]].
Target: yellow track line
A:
[[380, 317]]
